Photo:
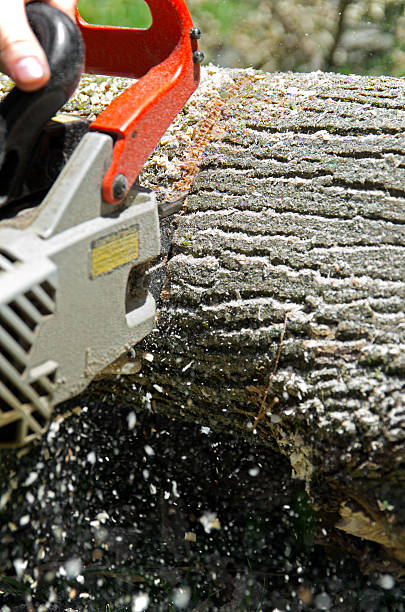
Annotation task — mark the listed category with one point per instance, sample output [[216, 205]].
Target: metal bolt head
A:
[[198, 57], [195, 33], [120, 186]]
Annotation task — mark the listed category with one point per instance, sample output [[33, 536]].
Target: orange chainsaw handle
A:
[[165, 59]]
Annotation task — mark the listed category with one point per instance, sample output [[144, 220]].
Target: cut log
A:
[[282, 313], [281, 317]]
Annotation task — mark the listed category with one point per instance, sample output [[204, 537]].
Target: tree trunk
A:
[[282, 312], [281, 317]]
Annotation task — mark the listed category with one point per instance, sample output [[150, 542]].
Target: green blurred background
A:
[[358, 36]]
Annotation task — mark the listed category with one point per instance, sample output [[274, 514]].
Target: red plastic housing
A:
[[161, 57]]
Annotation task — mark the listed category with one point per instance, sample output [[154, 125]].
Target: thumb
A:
[[21, 55]]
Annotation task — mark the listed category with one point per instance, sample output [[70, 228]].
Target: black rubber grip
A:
[[24, 114]]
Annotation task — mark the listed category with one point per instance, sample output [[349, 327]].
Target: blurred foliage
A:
[[361, 36], [132, 13]]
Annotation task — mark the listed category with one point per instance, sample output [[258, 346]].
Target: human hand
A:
[[21, 56]]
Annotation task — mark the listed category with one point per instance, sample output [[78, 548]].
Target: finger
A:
[[21, 56]]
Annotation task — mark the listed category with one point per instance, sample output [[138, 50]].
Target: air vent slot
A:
[[25, 392]]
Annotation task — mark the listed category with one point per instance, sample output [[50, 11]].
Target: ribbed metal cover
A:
[[25, 392]]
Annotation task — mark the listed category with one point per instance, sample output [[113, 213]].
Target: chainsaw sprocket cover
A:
[[68, 303]]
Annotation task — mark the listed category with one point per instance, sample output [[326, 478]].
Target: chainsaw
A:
[[76, 229]]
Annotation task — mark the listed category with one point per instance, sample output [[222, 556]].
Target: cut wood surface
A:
[[282, 312]]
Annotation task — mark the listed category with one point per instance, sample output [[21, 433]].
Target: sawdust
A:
[[171, 169], [207, 130]]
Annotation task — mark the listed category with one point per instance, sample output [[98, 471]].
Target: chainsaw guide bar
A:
[[77, 232]]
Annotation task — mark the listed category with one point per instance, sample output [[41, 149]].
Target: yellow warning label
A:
[[111, 252]]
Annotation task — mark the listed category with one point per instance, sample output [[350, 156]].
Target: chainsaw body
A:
[[73, 294]]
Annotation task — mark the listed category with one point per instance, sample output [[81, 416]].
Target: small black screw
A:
[[195, 33], [198, 57], [120, 186]]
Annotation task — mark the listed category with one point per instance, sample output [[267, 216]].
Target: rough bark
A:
[[282, 314]]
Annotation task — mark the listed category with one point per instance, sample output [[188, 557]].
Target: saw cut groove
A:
[[203, 134]]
